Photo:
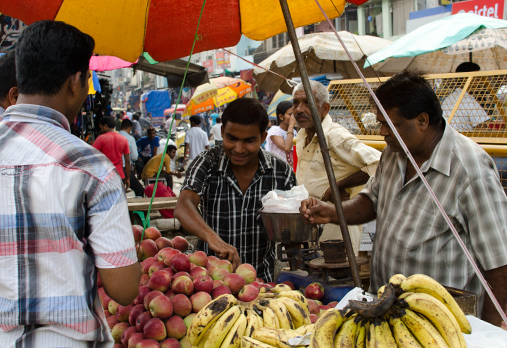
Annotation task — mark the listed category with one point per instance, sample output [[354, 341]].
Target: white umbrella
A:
[[322, 54]]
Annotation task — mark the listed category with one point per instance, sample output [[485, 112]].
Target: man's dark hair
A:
[[218, 120], [7, 73], [412, 95], [195, 120], [126, 124], [468, 67], [246, 111], [136, 117], [170, 148], [108, 121], [118, 116], [48, 53]]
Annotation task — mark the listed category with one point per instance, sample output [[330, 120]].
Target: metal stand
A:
[[322, 142]]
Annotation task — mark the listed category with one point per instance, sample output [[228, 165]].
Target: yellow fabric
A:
[[102, 19], [151, 168], [261, 19], [91, 90]]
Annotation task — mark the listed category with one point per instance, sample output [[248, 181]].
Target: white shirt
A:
[[168, 123], [2, 111], [197, 140], [271, 146], [469, 113], [216, 131]]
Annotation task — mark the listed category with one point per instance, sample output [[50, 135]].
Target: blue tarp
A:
[[156, 102]]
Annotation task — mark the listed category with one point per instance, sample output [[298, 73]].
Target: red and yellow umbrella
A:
[[166, 28], [217, 92]]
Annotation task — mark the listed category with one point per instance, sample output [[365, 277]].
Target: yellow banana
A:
[[248, 342], [438, 314], [325, 329], [273, 337], [251, 323], [380, 340], [387, 334], [296, 296], [423, 283], [281, 287], [422, 330], [370, 337], [270, 319], [403, 337], [233, 338], [397, 279], [207, 316], [405, 295], [299, 315], [346, 336], [361, 334], [205, 337], [282, 314], [222, 327], [380, 291], [303, 330]]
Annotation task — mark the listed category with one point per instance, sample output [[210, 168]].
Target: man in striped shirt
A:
[[63, 208], [412, 235]]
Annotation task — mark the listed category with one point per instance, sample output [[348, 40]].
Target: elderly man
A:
[[412, 235], [353, 161]]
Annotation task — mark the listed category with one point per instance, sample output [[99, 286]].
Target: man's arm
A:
[[358, 210], [206, 147], [155, 149], [353, 180], [113, 279], [188, 215], [497, 279], [185, 153], [127, 171]]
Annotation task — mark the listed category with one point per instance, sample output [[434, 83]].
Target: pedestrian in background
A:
[[136, 127], [135, 185], [117, 122], [280, 138], [216, 132], [147, 147], [196, 140]]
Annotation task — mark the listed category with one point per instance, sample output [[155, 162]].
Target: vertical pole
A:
[[322, 142]]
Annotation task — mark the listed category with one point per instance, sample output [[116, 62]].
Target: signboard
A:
[[223, 59], [486, 8], [208, 64]]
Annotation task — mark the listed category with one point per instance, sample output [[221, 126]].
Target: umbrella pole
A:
[[322, 142]]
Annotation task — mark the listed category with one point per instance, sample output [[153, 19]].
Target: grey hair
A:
[[320, 90]]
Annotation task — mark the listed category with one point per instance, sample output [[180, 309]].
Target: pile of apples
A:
[[174, 286]]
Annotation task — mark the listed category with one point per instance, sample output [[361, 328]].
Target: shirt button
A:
[[399, 197], [388, 223]]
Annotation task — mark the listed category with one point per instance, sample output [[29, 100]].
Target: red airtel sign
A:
[[486, 8]]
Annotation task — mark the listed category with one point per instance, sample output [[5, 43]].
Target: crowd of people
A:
[[66, 215]]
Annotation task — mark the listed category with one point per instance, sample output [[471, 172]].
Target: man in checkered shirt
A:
[[228, 183], [412, 235]]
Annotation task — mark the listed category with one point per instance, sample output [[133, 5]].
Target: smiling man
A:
[[412, 235], [228, 182]]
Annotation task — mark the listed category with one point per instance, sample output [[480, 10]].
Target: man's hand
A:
[[126, 182], [314, 211], [328, 196], [178, 174], [225, 251]]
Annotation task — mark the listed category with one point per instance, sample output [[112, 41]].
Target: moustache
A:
[[301, 115]]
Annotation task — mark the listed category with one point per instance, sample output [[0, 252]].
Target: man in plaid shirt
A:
[[228, 182], [63, 208]]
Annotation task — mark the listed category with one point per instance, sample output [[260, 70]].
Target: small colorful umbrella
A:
[[277, 99]]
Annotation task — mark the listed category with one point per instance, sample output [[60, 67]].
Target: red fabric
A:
[[31, 11], [294, 158], [114, 146], [162, 191]]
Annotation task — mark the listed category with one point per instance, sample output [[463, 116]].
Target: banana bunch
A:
[[271, 321], [413, 312]]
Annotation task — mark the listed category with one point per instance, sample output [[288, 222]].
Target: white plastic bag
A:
[[485, 335], [277, 201]]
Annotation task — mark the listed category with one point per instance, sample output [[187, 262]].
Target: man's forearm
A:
[[357, 179], [191, 220], [358, 210], [497, 279]]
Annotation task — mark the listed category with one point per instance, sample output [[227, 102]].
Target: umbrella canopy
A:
[[217, 92], [277, 99], [440, 46], [179, 109], [323, 53], [166, 28]]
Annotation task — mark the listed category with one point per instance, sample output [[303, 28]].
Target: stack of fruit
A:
[[173, 288], [411, 312]]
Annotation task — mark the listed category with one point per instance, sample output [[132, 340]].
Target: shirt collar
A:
[[326, 126], [28, 112], [440, 158], [264, 161]]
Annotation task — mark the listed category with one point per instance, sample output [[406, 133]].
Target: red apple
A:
[[142, 319], [169, 293], [234, 282], [179, 274], [170, 343], [247, 271], [127, 333], [203, 283], [199, 300], [217, 283], [222, 289], [180, 263], [160, 280], [163, 242], [112, 307], [183, 285], [156, 266], [188, 319], [161, 307], [192, 266], [146, 264], [197, 271], [99, 281], [143, 291], [107, 314], [213, 259], [122, 313], [144, 280], [289, 283], [211, 269], [117, 331], [333, 304], [313, 318], [169, 270], [257, 284], [104, 299], [149, 297], [147, 249], [134, 313], [166, 255], [314, 291], [175, 327], [180, 243], [272, 284], [138, 232], [181, 305], [199, 258], [259, 280], [148, 343], [219, 274], [248, 293], [324, 308], [134, 339], [184, 343], [225, 264], [112, 321], [313, 306], [152, 233]]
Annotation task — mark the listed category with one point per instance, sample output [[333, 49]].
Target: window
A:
[[281, 40], [273, 42]]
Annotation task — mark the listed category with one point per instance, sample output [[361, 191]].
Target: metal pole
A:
[[322, 142]]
